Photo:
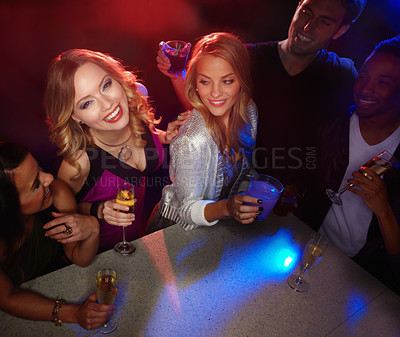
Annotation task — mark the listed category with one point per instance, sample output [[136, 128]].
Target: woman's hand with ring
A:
[[67, 228], [240, 208]]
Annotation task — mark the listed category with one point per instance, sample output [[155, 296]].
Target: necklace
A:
[[125, 152]]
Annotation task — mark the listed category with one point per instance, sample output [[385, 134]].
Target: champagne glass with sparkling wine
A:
[[380, 164], [106, 292], [312, 253], [125, 196]]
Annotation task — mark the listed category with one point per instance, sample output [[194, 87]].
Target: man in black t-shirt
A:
[[291, 108], [298, 85]]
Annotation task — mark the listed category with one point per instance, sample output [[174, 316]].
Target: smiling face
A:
[[314, 25], [33, 186], [100, 101], [377, 88], [217, 85]]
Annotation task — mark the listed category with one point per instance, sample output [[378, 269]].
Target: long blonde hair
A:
[[68, 134], [231, 49]]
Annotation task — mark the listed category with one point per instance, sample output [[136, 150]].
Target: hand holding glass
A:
[[380, 164], [125, 196], [106, 292], [266, 188], [177, 52], [312, 253]]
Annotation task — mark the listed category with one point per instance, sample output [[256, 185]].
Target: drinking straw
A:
[[177, 53]]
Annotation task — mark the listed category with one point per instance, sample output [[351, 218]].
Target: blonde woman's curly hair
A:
[[232, 50], [65, 132]]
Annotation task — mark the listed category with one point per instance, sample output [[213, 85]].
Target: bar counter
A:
[[225, 280]]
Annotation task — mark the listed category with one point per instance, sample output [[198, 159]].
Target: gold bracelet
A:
[[54, 314]]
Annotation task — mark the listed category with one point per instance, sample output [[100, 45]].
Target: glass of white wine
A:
[[380, 164], [106, 292], [312, 253], [125, 196]]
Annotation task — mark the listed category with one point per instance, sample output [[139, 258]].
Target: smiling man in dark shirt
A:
[[298, 85]]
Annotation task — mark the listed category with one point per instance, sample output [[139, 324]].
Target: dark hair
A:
[[354, 9], [11, 217], [390, 46]]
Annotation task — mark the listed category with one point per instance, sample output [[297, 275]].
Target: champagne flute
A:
[[125, 196], [380, 164], [312, 253], [106, 292]]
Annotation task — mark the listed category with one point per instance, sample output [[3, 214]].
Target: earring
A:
[[197, 90], [80, 122]]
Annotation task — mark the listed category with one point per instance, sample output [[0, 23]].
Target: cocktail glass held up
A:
[[177, 52]]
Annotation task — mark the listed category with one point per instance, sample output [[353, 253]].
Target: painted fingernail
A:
[[259, 201], [258, 213], [260, 209]]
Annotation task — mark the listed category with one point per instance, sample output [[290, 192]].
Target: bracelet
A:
[[54, 314], [94, 209]]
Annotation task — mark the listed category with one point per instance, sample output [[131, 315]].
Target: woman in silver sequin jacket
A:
[[212, 153]]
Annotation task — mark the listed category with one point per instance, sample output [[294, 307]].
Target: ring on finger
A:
[[67, 230]]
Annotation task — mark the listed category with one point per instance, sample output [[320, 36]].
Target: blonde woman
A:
[[212, 152], [101, 122]]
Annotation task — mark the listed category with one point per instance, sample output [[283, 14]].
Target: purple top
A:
[[106, 172]]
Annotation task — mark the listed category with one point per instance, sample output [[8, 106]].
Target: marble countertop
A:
[[225, 280]]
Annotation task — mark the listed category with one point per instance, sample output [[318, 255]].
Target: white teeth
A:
[[303, 38], [113, 114], [217, 102], [368, 102]]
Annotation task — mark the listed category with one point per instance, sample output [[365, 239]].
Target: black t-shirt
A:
[[291, 109], [39, 254]]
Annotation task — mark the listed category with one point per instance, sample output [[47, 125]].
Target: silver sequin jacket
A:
[[197, 173]]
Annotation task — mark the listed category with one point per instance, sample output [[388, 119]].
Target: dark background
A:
[[34, 32]]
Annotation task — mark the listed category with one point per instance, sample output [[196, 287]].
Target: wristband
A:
[[94, 208]]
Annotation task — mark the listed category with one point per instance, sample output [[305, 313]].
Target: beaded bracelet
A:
[[54, 314]]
